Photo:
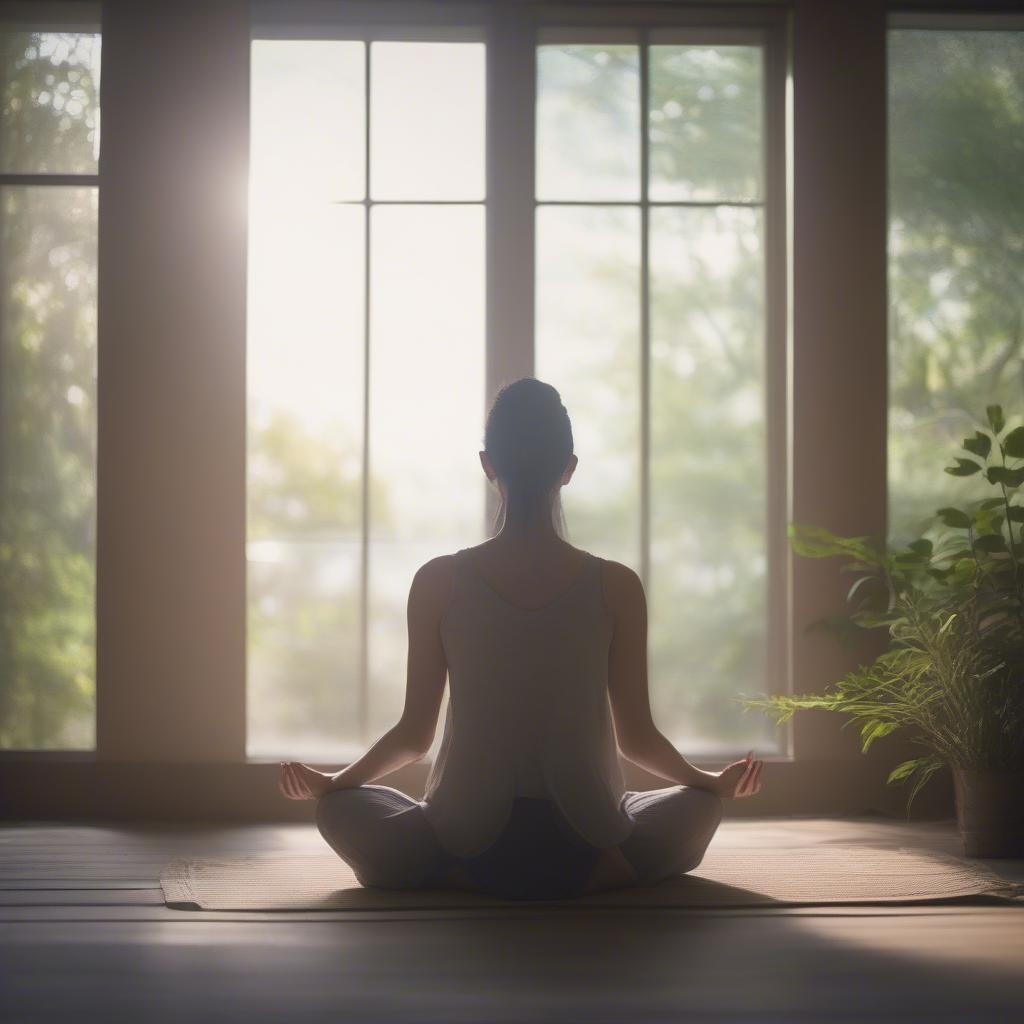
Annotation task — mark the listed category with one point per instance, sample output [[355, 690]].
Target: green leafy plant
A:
[[952, 679]]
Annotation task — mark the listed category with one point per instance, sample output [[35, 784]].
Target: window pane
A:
[[48, 467], [315, 690], [51, 113], [426, 416], [427, 116], [588, 346], [956, 256], [705, 123], [588, 122], [708, 475], [308, 116], [305, 437]]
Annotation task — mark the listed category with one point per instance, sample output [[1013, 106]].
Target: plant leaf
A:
[[874, 730], [995, 417], [990, 542], [1013, 443], [851, 593], [964, 467], [931, 765], [921, 767], [870, 619], [988, 520], [902, 771], [817, 542], [954, 517], [1002, 475], [980, 444]]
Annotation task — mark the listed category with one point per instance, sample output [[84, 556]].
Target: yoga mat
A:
[[727, 877]]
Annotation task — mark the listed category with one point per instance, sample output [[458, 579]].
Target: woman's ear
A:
[[486, 463], [570, 468]]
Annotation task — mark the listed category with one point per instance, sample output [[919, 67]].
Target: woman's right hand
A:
[[300, 782], [739, 779]]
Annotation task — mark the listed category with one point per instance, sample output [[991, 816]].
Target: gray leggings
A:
[[386, 838]]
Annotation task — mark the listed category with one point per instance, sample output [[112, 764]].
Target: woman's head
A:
[[528, 452]]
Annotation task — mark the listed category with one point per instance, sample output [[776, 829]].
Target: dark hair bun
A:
[[528, 439]]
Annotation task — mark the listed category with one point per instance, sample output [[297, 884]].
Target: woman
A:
[[544, 646]]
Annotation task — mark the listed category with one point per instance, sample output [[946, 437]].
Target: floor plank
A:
[[84, 936]]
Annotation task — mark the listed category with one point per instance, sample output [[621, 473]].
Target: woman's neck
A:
[[537, 539]]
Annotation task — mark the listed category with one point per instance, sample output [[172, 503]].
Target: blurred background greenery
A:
[[50, 124]]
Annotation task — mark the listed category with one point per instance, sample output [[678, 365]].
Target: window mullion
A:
[[645, 322], [363, 706], [776, 228]]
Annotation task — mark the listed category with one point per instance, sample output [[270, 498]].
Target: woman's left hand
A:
[[300, 782], [739, 779]]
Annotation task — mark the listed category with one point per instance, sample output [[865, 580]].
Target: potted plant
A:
[[952, 678]]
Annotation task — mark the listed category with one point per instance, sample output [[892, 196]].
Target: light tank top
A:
[[528, 713]]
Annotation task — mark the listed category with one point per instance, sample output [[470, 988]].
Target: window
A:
[[365, 368], [651, 321], [49, 146], [655, 173], [956, 254]]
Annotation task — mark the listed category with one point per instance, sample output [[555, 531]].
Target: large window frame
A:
[[511, 37]]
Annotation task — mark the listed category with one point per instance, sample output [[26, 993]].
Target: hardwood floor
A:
[[84, 936]]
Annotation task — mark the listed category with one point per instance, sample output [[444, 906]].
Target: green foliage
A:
[[918, 769], [956, 256], [953, 677], [304, 504], [47, 395]]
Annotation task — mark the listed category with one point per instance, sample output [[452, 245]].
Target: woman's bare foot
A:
[[612, 871]]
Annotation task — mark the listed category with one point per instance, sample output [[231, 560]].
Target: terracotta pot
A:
[[990, 812]]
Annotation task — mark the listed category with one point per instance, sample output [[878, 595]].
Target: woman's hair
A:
[[528, 439]]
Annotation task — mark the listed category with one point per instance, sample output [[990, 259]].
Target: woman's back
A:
[[528, 712], [528, 578]]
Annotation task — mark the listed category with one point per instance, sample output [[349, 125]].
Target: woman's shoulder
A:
[[432, 582], [437, 567], [621, 585]]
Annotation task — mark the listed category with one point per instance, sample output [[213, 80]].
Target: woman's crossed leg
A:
[[383, 834], [386, 838]]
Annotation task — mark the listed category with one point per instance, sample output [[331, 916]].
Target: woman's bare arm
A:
[[410, 738], [639, 739]]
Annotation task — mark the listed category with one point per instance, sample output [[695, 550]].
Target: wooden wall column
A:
[[839, 321], [171, 473]]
